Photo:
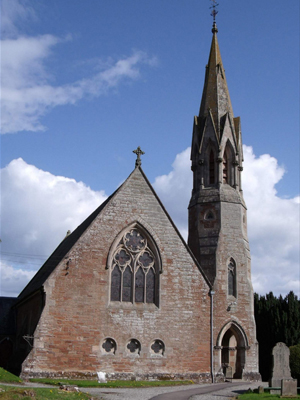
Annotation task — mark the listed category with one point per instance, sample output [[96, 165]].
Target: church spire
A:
[[216, 151], [215, 97]]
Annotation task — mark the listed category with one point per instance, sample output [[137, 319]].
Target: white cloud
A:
[[174, 190], [27, 92], [12, 12], [13, 280], [273, 222], [273, 226], [37, 210]]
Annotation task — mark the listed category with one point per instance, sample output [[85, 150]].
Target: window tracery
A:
[[158, 347], [109, 346], [134, 269], [134, 346]]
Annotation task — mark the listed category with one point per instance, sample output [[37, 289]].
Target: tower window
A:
[[232, 278], [209, 216], [228, 165], [225, 168], [134, 269], [211, 168]]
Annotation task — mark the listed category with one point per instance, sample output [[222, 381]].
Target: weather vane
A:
[[214, 11]]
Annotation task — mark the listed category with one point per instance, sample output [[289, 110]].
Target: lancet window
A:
[[134, 269], [211, 168], [228, 173], [232, 278]]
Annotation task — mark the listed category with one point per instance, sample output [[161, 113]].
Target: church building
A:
[[126, 295]]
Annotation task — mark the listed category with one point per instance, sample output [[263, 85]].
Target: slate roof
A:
[[59, 253], [7, 316], [215, 95]]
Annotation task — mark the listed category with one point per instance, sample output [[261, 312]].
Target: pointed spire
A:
[[215, 95]]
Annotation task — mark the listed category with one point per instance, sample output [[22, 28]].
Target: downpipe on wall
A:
[[211, 293]]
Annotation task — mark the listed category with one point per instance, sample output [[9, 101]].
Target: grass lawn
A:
[[264, 396], [7, 377], [111, 384], [13, 393]]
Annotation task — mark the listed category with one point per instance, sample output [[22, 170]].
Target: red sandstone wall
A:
[[78, 314]]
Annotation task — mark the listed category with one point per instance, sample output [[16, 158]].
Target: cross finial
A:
[[214, 13], [138, 152]]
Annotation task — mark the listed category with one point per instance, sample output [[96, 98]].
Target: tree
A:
[[277, 320], [295, 362]]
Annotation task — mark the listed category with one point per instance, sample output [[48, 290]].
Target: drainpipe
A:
[[211, 293]]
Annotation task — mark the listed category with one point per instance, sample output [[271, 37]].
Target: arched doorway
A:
[[233, 343]]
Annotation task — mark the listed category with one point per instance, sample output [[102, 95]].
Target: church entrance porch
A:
[[231, 351]]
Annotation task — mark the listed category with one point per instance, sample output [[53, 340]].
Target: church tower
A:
[[218, 224]]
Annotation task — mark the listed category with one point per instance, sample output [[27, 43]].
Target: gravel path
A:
[[227, 393], [149, 393]]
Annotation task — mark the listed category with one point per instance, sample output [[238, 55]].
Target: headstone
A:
[[261, 390], [228, 373], [281, 366], [289, 388]]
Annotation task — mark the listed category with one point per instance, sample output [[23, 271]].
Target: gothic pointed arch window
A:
[[212, 177], [134, 264], [228, 173], [210, 164], [231, 277]]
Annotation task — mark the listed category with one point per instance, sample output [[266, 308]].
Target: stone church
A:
[[124, 294]]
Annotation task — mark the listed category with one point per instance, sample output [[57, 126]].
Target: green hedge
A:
[[295, 362]]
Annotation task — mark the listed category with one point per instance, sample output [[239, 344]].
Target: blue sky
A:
[[86, 82]]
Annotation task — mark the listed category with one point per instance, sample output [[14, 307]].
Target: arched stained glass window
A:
[[127, 285], [116, 284], [139, 286], [134, 269], [150, 284]]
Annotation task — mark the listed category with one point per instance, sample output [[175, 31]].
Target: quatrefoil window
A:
[[134, 346], [122, 258], [158, 347], [109, 345]]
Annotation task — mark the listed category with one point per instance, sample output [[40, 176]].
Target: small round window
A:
[[209, 216], [109, 346], [158, 347], [134, 346]]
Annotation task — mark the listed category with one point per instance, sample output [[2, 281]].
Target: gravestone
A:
[[261, 390], [281, 366], [289, 388]]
